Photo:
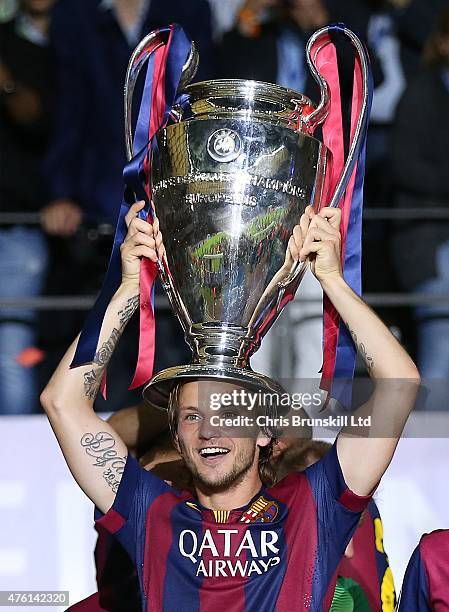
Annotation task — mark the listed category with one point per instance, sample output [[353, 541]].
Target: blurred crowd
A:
[[62, 68]]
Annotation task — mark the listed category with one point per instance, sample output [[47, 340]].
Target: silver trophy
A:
[[230, 179]]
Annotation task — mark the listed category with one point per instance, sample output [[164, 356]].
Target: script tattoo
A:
[[92, 379], [369, 361], [101, 448], [130, 308]]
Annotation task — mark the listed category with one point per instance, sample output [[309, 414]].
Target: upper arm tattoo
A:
[[100, 447], [92, 379], [361, 348]]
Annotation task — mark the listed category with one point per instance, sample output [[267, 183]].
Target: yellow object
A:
[[387, 592], [379, 531]]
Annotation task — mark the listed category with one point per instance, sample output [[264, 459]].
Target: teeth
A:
[[213, 450]]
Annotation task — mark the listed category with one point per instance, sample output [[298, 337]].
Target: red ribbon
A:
[[326, 62]]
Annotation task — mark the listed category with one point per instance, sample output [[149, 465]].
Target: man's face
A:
[[216, 455]]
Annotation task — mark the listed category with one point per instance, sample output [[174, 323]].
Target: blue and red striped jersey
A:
[[369, 566], [426, 581], [278, 553]]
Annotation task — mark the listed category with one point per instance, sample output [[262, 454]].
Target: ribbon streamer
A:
[[164, 71], [339, 351]]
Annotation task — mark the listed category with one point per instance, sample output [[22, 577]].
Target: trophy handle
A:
[[298, 270], [319, 115], [321, 112], [140, 55]]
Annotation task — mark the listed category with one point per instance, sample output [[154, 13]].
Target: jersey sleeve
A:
[[331, 491], [415, 588], [127, 516], [338, 511], [340, 491]]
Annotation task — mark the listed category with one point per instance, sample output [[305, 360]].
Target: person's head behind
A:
[[219, 456], [299, 455], [309, 15], [36, 8], [436, 50]]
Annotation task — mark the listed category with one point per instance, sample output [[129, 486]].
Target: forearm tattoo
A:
[[104, 353], [100, 447], [92, 383], [92, 379], [369, 361], [129, 309]]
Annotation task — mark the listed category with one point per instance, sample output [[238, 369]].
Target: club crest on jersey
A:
[[261, 511]]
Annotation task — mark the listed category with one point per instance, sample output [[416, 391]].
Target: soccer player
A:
[[426, 581], [234, 544]]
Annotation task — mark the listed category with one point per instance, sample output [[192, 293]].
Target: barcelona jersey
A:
[[369, 566], [426, 581], [278, 553]]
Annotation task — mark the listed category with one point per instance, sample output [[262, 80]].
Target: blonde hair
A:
[[173, 403]]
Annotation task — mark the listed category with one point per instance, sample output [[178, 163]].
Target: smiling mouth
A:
[[212, 452]]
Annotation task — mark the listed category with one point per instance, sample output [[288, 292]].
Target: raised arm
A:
[[94, 452], [363, 456]]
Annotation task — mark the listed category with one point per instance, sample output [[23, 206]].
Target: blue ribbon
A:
[[134, 179]]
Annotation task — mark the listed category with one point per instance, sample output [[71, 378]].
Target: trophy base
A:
[[157, 391]]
